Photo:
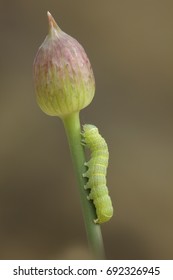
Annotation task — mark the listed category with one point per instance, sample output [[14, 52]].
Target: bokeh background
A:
[[130, 46]]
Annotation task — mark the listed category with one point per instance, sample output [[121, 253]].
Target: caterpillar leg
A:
[[86, 187], [85, 175], [83, 143]]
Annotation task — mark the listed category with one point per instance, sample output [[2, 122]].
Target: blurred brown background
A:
[[130, 45]]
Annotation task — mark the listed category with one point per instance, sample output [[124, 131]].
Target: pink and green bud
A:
[[63, 77]]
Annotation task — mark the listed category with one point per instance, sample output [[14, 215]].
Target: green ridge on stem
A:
[[73, 130]]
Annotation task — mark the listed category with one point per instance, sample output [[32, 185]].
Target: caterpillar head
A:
[[89, 129], [90, 133]]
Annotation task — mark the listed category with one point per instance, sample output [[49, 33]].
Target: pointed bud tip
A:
[[52, 22]]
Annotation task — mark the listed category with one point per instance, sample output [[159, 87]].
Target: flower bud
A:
[[63, 77]]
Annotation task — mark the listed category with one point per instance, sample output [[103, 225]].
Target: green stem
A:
[[73, 130]]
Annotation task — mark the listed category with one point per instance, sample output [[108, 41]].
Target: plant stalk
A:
[[73, 132]]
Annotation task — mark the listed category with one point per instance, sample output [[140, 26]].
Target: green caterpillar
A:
[[96, 173]]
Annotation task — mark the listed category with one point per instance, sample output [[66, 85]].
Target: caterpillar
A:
[[96, 172]]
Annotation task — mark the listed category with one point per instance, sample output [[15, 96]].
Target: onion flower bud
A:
[[63, 77]]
